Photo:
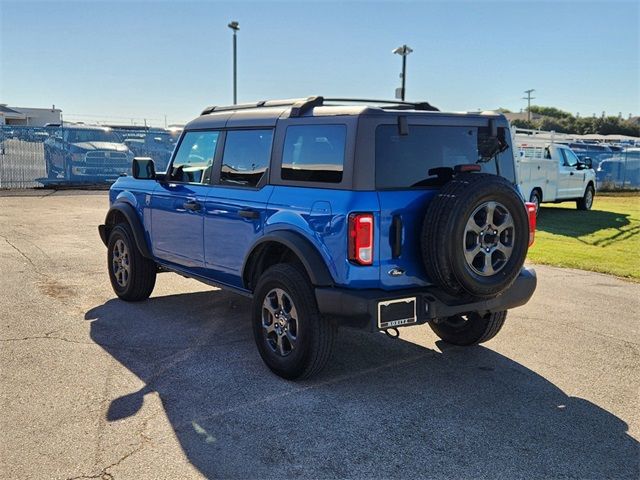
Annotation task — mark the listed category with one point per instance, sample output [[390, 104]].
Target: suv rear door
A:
[[236, 203]]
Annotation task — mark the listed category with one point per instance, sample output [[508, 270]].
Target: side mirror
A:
[[588, 162], [143, 168]]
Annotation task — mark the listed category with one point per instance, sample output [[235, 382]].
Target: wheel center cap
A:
[[489, 237]]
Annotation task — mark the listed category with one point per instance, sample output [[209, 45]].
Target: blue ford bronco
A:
[[330, 212]]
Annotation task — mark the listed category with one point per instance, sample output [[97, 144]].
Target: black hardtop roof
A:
[[267, 112]]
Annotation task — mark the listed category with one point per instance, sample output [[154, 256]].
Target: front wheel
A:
[[132, 275], [68, 172], [469, 329], [586, 202], [293, 339]]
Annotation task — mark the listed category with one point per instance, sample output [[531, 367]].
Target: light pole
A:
[[235, 26], [403, 51]]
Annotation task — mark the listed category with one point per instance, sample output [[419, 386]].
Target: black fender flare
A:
[[309, 256], [133, 220]]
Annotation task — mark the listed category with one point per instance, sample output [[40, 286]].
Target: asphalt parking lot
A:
[[91, 387]]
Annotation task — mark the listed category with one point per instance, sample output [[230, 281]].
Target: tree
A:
[[550, 112], [563, 122]]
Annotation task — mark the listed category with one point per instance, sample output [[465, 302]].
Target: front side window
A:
[[246, 157], [194, 158], [570, 158], [314, 153]]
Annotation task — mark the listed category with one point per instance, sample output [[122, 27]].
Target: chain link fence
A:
[[617, 167], [81, 155], [77, 155]]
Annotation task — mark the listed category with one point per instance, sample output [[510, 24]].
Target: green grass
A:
[[605, 239]]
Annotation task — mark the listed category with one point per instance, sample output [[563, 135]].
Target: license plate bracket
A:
[[396, 313]]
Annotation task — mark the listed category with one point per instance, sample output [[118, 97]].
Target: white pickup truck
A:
[[547, 171]]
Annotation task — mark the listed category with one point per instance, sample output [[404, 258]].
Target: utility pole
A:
[[235, 26], [528, 98]]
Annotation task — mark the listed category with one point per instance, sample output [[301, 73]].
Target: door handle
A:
[[570, 173], [192, 205], [251, 214]]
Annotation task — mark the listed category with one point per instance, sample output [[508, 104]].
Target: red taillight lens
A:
[[531, 212], [361, 238]]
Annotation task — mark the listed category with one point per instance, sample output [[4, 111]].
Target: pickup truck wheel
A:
[[536, 200], [293, 339], [68, 172], [586, 202], [469, 329], [132, 275], [475, 236], [51, 173]]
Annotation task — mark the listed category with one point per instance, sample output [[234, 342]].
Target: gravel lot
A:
[[174, 387]]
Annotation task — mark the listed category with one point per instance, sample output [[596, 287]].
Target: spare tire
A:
[[475, 235]]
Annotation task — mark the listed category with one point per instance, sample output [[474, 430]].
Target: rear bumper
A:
[[359, 308]]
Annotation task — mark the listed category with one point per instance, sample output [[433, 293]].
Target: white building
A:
[[36, 117]]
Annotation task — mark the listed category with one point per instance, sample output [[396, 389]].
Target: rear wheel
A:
[[132, 275], [469, 329], [586, 202], [293, 339]]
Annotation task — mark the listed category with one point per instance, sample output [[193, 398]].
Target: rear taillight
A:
[[361, 238], [531, 212]]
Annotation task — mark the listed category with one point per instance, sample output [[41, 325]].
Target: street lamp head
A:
[[404, 50], [235, 26]]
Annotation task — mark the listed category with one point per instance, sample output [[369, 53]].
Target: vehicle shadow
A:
[[575, 224], [383, 408]]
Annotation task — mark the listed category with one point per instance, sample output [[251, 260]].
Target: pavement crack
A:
[[45, 337], [104, 474], [22, 254]]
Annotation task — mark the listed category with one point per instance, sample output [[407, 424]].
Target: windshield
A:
[[92, 135], [404, 161]]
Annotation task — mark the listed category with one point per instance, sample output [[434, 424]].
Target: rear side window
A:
[[404, 161], [314, 153], [246, 157]]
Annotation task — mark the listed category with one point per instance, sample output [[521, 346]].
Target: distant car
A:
[[156, 144], [596, 152], [87, 153], [554, 173], [621, 171]]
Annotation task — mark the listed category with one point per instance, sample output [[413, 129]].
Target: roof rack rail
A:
[[302, 106], [394, 104], [299, 106]]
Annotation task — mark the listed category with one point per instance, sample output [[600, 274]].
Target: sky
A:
[[124, 61]]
